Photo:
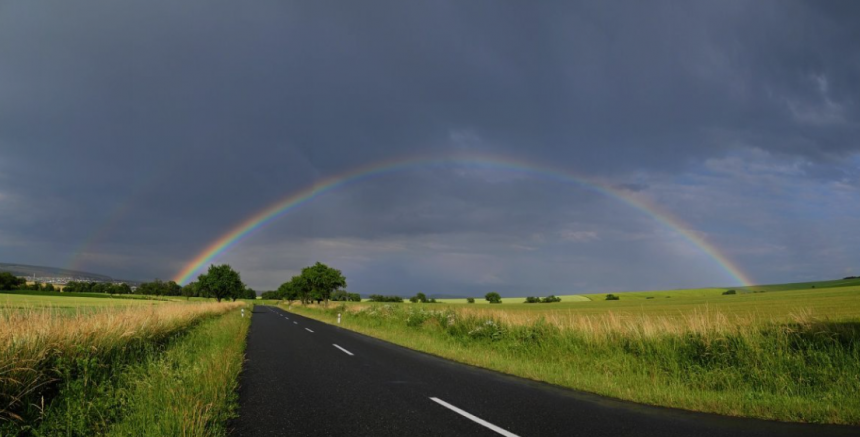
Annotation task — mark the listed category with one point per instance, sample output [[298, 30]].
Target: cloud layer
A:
[[131, 136]]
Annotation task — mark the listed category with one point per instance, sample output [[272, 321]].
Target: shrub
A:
[[532, 299], [493, 297], [728, 292], [381, 298], [470, 300], [550, 299], [612, 297]]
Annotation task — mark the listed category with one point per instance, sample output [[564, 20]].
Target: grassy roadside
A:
[[805, 370], [191, 389], [65, 374]]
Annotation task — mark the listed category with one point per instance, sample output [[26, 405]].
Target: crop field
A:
[[29, 299], [75, 365], [786, 352]]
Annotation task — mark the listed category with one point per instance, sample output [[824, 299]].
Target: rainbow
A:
[[295, 200]]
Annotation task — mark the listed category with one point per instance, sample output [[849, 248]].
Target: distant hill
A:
[[42, 271]]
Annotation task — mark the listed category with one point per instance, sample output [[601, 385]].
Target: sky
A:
[[134, 135]]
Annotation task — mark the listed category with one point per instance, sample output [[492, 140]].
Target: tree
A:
[[420, 297], [9, 281], [612, 297], [221, 282], [354, 297], [493, 297], [470, 300], [189, 290], [532, 299], [271, 295], [317, 282], [172, 289], [289, 291], [249, 294]]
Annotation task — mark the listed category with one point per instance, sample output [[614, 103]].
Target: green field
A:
[[52, 299], [785, 352]]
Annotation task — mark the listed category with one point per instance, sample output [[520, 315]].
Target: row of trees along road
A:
[[319, 283]]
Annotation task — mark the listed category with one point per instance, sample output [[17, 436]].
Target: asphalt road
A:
[[306, 378]]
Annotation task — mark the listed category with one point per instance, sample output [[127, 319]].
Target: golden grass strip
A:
[[32, 340]]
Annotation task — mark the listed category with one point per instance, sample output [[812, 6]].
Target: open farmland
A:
[[786, 353], [30, 299]]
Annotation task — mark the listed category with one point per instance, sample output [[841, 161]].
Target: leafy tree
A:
[[318, 282], [9, 281], [172, 289], [289, 291], [249, 293], [470, 300], [532, 299], [420, 297], [271, 295], [493, 297], [551, 299], [612, 297], [189, 290], [354, 297], [221, 282]]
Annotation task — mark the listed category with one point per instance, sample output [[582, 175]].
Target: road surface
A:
[[307, 378]]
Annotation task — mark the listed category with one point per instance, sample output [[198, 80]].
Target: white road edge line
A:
[[306, 329], [344, 350], [474, 418]]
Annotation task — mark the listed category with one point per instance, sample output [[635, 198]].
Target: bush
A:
[[728, 292], [550, 299], [612, 297], [493, 297], [381, 298], [532, 299], [470, 300]]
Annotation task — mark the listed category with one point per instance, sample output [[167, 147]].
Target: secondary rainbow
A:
[[296, 199]]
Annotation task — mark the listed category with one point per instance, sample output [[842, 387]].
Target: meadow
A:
[[788, 352], [80, 366]]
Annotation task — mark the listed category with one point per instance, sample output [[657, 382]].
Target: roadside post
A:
[[243, 312], [338, 318]]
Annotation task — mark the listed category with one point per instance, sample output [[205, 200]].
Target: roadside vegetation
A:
[[104, 366], [792, 355]]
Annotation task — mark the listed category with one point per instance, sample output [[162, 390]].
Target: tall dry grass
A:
[[36, 343]]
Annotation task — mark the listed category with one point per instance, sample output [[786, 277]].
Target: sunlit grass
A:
[[43, 350], [787, 355]]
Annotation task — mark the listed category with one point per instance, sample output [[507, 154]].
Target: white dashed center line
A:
[[344, 350], [474, 418], [306, 329]]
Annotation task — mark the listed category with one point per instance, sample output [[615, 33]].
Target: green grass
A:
[[78, 372], [790, 355], [18, 299], [191, 389]]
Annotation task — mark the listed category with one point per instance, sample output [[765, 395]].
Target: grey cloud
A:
[[157, 126]]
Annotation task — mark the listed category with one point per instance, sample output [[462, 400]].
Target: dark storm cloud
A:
[[168, 123]]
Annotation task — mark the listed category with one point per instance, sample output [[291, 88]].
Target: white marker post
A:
[[243, 312], [338, 318]]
